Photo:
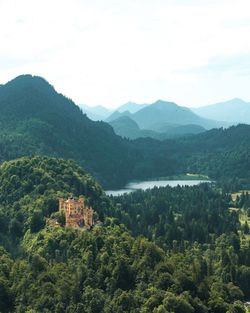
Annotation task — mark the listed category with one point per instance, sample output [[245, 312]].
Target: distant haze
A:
[[110, 52], [235, 110]]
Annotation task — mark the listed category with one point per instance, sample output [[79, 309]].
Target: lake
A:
[[143, 185]]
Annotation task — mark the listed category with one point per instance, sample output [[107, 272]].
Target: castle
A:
[[77, 213]]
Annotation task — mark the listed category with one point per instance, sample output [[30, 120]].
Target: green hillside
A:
[[56, 269], [221, 154], [35, 119], [30, 188]]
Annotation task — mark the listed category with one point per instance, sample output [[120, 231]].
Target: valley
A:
[[35, 119], [124, 156], [179, 246], [174, 244]]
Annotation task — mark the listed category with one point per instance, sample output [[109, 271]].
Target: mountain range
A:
[[160, 114], [232, 111], [132, 107], [164, 119], [126, 127], [164, 249], [101, 113], [160, 120], [37, 120], [96, 113]]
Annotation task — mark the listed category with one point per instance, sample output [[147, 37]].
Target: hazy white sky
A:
[[193, 52]]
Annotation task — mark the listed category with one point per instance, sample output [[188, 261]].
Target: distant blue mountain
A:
[[116, 114], [132, 107], [126, 127], [233, 111], [96, 113], [161, 115]]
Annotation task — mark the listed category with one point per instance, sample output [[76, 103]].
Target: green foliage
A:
[[36, 120], [223, 154], [108, 270], [192, 260], [176, 216], [29, 191], [37, 221], [6, 296]]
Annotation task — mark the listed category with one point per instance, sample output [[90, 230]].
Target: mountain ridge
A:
[[126, 127], [96, 113], [163, 117], [40, 121], [233, 111], [132, 107], [36, 119], [169, 112]]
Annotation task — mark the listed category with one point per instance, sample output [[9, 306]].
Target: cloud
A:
[[238, 64], [106, 52]]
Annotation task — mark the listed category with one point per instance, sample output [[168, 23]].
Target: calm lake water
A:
[[133, 186]]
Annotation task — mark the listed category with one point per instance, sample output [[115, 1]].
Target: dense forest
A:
[[223, 154], [36, 120], [163, 250], [181, 214]]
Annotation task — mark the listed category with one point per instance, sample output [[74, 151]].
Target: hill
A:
[[162, 113], [220, 154], [126, 127], [35, 119], [233, 111], [33, 176], [96, 113], [132, 107], [116, 114], [30, 188], [166, 118], [192, 260]]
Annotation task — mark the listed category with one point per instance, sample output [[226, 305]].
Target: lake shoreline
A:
[[187, 176], [190, 180]]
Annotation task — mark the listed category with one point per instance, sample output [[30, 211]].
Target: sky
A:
[[109, 52]]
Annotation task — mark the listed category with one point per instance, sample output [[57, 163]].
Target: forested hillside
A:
[[36, 120], [223, 154], [192, 214], [137, 208], [194, 260], [29, 192]]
